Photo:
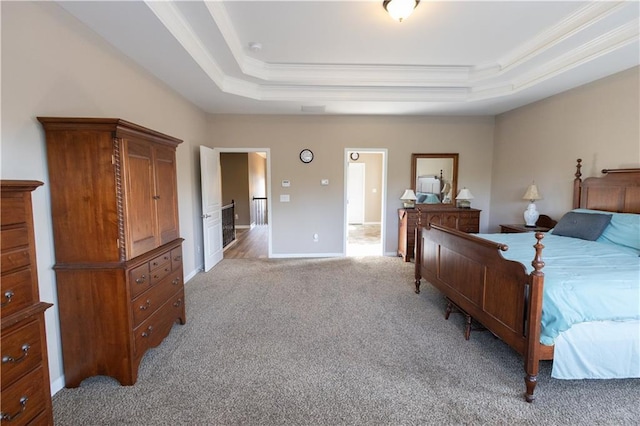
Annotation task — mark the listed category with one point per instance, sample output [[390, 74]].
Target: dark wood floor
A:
[[249, 244]]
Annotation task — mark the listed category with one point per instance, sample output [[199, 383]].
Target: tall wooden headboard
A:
[[618, 190]]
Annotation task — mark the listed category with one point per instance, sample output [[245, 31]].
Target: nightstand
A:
[[516, 228]]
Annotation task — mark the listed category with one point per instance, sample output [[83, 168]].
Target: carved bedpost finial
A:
[[537, 262], [577, 189], [419, 217]]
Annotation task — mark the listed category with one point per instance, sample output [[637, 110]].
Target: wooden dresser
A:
[[466, 220], [118, 251], [26, 391]]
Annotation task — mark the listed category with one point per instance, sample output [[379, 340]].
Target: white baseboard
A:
[[193, 273], [302, 255], [57, 385]]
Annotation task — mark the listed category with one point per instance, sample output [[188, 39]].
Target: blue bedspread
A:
[[584, 280]]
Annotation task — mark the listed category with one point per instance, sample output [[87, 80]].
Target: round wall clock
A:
[[354, 156], [306, 156]]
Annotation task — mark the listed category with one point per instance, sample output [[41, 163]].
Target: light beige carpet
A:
[[333, 342]]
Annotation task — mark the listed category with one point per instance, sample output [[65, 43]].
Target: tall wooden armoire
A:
[[118, 252]]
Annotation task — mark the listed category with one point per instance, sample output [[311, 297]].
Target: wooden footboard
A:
[[496, 292]]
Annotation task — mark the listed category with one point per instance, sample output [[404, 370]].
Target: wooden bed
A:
[[498, 293]]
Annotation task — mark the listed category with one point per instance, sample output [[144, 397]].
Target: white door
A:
[[355, 193], [211, 206]]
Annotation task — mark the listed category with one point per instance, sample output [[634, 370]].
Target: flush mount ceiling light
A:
[[400, 9]]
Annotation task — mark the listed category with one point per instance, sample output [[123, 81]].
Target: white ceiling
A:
[[350, 57]]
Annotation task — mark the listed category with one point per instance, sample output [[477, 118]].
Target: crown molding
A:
[[400, 83], [174, 21], [579, 21]]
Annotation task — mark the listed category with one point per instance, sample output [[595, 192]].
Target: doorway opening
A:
[[235, 181], [244, 186], [365, 189]]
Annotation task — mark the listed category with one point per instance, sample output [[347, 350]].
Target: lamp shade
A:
[[446, 188], [532, 193], [464, 194], [409, 195]]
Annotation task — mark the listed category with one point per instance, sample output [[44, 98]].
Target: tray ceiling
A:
[[350, 57]]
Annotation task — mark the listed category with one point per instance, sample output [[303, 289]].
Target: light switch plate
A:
[[324, 182], [286, 183]]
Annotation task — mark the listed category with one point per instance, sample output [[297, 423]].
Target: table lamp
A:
[[409, 199], [464, 198], [531, 213]]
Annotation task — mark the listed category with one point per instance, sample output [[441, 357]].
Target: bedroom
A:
[[53, 65]]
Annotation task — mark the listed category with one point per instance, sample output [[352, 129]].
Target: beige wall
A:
[[53, 66], [598, 122], [257, 183], [320, 209], [234, 171], [372, 186]]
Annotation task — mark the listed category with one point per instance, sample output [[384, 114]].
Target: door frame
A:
[[383, 196], [268, 184]]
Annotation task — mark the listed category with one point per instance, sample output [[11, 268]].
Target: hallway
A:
[[250, 244], [364, 240]]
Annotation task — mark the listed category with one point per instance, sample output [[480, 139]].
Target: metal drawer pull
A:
[[177, 258], [147, 332], [25, 352], [176, 281], [141, 279], [7, 295], [9, 417], [177, 303], [146, 306]]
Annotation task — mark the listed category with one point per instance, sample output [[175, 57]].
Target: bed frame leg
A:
[[417, 282], [530, 381]]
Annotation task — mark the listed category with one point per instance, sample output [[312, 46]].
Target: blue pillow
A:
[[586, 226], [624, 229]]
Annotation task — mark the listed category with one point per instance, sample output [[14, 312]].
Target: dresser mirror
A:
[[434, 178]]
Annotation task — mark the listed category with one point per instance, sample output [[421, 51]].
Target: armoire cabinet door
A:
[[166, 193], [141, 221], [152, 196]]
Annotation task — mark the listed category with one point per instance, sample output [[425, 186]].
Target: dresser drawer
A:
[[25, 399], [176, 258], [160, 261], [17, 291], [13, 210], [14, 259], [469, 222], [139, 280], [21, 352], [160, 273], [14, 237], [149, 301], [152, 331]]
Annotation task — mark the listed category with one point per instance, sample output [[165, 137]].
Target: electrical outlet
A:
[[315, 238], [236, 216]]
